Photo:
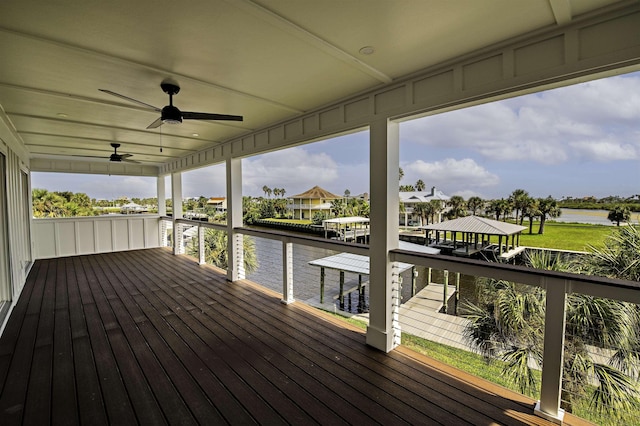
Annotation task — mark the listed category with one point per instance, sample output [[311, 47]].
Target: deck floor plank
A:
[[145, 337]]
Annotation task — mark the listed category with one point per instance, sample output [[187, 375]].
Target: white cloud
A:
[[450, 173], [604, 151], [293, 169], [540, 127]]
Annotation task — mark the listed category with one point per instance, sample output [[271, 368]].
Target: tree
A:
[[457, 207], [619, 257], [61, 204], [420, 209], [407, 188], [400, 173], [435, 208], [266, 190], [548, 207], [338, 207], [420, 185], [215, 250], [518, 199], [499, 208], [619, 213], [531, 210], [474, 204], [508, 322]]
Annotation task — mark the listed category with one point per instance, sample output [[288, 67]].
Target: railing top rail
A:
[[115, 216], [575, 283], [288, 237]]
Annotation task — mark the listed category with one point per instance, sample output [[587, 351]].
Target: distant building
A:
[[411, 198], [219, 203], [316, 199], [131, 208]]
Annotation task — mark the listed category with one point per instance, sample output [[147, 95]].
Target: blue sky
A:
[[574, 141]]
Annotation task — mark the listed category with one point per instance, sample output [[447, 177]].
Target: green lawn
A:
[[566, 236]]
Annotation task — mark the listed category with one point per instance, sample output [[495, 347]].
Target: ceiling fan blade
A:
[[125, 155], [88, 156], [135, 101], [155, 124], [207, 116], [130, 161]]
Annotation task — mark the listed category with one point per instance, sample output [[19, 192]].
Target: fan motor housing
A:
[[171, 114]]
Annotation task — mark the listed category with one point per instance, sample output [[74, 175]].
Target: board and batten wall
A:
[[61, 237]]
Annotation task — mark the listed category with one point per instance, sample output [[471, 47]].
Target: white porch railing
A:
[[70, 236], [557, 285]]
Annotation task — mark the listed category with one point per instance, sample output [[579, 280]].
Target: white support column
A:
[[176, 202], [235, 254], [384, 163], [161, 189], [287, 273], [162, 209], [553, 354]]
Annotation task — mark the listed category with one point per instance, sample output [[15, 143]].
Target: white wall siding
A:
[[98, 234], [18, 212]]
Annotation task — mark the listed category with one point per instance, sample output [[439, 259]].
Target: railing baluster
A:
[[287, 272], [201, 250]]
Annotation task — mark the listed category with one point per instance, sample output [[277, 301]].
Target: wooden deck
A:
[[145, 337]]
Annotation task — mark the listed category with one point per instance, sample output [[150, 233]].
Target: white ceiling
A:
[[268, 60]]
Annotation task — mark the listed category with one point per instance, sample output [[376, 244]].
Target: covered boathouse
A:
[[474, 236], [101, 323]]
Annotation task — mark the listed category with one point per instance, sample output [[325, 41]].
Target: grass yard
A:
[[566, 236]]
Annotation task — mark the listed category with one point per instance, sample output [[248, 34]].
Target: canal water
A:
[[595, 217], [307, 278]]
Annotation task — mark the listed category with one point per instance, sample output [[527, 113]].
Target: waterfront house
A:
[[101, 323], [411, 198], [310, 202]]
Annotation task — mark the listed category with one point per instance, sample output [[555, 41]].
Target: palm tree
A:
[[618, 258], [474, 204], [548, 207], [435, 208], [420, 185], [457, 207], [420, 209], [518, 198], [619, 213], [400, 173], [531, 210], [508, 322], [266, 190], [215, 250], [338, 207]]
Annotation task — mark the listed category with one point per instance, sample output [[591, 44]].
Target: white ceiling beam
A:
[[106, 102], [309, 38], [154, 69], [561, 11]]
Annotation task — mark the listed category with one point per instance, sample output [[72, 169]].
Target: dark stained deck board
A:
[[428, 408], [287, 368], [148, 337]]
